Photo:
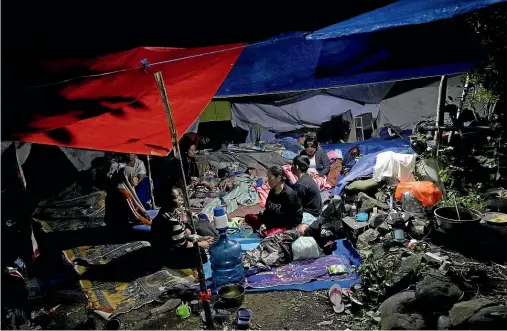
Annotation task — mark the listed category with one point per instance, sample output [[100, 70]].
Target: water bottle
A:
[[225, 254], [353, 211]]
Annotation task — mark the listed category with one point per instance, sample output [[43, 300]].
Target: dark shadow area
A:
[[220, 132], [57, 112], [118, 27], [408, 47], [483, 242], [125, 268]]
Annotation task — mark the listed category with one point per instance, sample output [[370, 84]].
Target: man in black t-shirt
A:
[[306, 188]]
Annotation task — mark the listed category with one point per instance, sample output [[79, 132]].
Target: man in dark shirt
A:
[[306, 188]]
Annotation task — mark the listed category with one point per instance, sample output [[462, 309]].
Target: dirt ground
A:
[[271, 310]]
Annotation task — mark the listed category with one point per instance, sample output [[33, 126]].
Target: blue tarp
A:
[[364, 167], [401, 13], [289, 63], [371, 145]]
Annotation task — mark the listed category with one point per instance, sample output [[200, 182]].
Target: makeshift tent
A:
[[81, 159], [401, 13], [122, 111], [401, 104], [47, 169], [405, 108], [309, 113]]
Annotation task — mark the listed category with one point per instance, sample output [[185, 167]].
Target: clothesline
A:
[[145, 64]]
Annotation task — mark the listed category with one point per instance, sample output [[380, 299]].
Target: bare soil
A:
[[289, 310]]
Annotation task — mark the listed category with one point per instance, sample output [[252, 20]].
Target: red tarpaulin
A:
[[123, 112]]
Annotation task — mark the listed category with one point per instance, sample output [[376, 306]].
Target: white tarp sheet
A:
[[310, 113]]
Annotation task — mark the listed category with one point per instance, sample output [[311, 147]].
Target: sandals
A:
[[335, 296], [243, 319]]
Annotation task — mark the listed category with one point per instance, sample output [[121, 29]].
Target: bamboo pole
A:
[[460, 105], [152, 196], [442, 94], [174, 138]]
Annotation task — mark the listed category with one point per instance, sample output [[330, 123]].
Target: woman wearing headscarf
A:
[[319, 161], [123, 209]]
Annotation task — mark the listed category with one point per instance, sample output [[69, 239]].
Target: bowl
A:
[[495, 218], [231, 295]]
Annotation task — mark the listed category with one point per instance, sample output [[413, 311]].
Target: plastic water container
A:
[[220, 218], [225, 254]]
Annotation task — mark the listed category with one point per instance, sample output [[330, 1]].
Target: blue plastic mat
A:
[[343, 247]]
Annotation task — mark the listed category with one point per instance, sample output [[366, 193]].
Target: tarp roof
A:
[[123, 111], [290, 63], [400, 13]]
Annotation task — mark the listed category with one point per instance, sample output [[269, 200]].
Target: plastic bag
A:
[[394, 166], [305, 248], [410, 204], [426, 192]]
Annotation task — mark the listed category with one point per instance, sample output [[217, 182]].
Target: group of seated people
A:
[[289, 205], [169, 232], [168, 228]]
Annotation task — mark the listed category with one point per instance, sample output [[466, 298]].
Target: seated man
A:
[[307, 190]]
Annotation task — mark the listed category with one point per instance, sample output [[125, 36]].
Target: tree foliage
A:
[[491, 26]]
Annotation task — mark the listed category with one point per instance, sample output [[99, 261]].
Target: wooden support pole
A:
[[461, 104], [174, 138], [152, 196], [442, 94]]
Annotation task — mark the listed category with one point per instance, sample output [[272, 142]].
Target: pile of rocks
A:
[[437, 302]]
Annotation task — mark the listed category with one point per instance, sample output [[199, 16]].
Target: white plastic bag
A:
[[394, 166], [305, 248]]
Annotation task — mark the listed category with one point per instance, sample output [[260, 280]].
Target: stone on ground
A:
[[462, 311], [401, 303], [406, 270], [443, 322], [437, 292], [403, 322], [489, 318]]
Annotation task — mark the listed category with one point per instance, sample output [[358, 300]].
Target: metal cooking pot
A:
[[448, 220], [231, 295]]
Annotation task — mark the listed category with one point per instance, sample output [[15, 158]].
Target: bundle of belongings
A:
[[305, 242]]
